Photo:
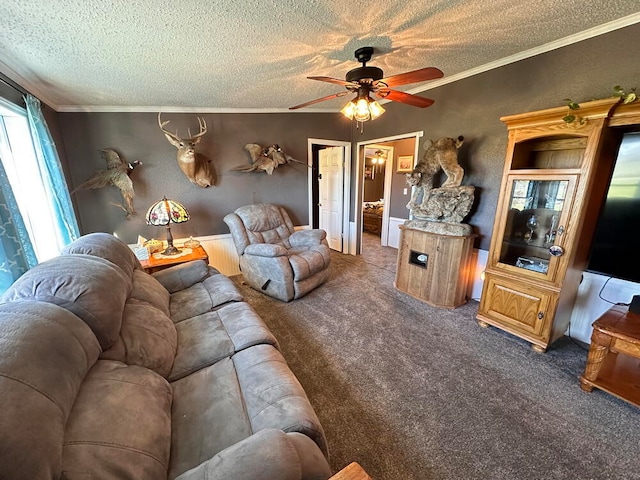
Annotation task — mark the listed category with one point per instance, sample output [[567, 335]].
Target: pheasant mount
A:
[[117, 173]]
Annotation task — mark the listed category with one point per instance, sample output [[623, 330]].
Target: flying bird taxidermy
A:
[[118, 174], [265, 159], [196, 167]]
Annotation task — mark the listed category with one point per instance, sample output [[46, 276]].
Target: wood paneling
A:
[[443, 279]]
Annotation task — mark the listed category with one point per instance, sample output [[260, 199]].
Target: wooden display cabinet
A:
[[434, 268], [554, 182]]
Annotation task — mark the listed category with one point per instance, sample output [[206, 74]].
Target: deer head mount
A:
[[196, 167]]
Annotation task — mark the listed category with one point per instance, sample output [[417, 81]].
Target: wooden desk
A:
[[613, 363], [159, 262], [353, 471]]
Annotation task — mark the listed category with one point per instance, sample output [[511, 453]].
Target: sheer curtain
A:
[[51, 173], [16, 253]]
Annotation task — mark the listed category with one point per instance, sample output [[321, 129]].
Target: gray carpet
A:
[[414, 392]]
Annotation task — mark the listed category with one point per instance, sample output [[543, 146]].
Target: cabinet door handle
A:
[[540, 315], [556, 250]]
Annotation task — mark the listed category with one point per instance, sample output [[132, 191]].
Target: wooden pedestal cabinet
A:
[[554, 181], [434, 268]]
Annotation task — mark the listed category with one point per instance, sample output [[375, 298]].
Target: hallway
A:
[[376, 254]]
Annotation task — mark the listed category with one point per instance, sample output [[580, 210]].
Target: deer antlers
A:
[[196, 168]]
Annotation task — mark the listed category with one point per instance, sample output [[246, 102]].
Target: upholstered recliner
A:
[[274, 258]]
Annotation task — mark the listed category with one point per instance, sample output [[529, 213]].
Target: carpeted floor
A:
[[414, 392]]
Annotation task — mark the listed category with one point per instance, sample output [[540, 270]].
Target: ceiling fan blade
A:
[[337, 81], [318, 100], [422, 75], [403, 97]]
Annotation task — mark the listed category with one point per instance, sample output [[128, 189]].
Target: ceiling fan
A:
[[365, 80]]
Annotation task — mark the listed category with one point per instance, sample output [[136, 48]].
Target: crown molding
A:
[[532, 52], [155, 109], [19, 80]]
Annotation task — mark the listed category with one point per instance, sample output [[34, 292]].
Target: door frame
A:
[[386, 192], [359, 190], [346, 183]]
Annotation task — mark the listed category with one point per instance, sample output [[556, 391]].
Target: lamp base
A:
[[171, 250]]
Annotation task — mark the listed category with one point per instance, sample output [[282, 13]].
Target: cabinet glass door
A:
[[534, 225]]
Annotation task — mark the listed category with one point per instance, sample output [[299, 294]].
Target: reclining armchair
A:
[[274, 258]]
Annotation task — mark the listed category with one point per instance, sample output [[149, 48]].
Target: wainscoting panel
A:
[[394, 231], [221, 251]]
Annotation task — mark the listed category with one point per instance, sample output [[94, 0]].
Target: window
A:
[[28, 182]]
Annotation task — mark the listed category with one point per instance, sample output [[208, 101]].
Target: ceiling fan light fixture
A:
[[363, 108], [362, 113], [379, 157], [349, 109], [375, 109]]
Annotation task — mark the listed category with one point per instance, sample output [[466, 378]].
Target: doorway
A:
[[396, 192], [376, 189], [329, 179]]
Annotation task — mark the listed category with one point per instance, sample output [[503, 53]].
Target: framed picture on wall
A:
[[405, 163]]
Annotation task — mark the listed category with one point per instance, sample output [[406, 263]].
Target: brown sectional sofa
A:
[[107, 372]]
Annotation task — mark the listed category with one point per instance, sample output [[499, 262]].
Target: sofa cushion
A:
[[183, 275], [106, 246], [273, 396], [207, 338], [120, 425], [46, 353], [147, 338], [208, 416], [306, 262], [265, 455], [226, 402], [203, 297], [91, 287], [150, 290]]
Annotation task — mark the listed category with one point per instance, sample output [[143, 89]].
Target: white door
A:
[[330, 163]]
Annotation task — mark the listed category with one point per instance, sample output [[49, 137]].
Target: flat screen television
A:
[[615, 251]]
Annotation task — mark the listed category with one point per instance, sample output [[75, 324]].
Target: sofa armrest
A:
[[307, 238], [182, 276], [265, 250], [265, 455]]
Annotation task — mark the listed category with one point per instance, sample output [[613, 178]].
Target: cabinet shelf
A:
[[521, 243]]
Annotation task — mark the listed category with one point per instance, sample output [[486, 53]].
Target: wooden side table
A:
[[157, 262], [353, 471], [613, 363]]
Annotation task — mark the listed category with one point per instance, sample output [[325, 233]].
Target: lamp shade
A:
[[165, 211]]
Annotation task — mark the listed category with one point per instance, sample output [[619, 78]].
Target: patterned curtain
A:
[[16, 252], [52, 171]]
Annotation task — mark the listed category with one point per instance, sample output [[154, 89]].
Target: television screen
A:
[[615, 251]]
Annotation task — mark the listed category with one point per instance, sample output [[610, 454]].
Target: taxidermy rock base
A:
[[440, 210]]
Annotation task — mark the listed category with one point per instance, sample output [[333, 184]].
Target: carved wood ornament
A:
[[196, 167]]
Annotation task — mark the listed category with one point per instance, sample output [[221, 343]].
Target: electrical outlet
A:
[[404, 191]]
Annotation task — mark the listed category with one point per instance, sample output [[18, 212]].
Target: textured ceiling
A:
[[250, 54]]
